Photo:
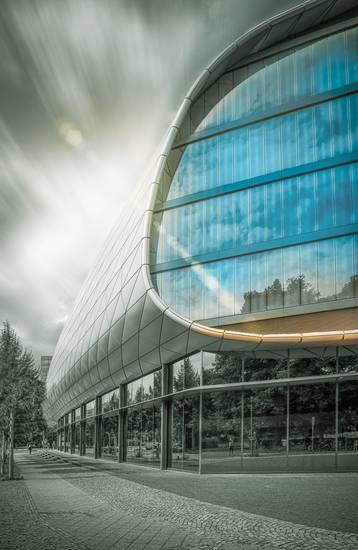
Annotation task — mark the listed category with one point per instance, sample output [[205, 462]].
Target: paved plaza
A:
[[70, 502]]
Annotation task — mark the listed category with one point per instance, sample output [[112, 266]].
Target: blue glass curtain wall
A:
[[326, 65], [283, 241], [291, 207], [294, 139], [293, 276]]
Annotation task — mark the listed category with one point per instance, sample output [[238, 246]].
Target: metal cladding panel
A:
[[117, 298]]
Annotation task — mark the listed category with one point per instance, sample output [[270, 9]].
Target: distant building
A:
[[44, 366]]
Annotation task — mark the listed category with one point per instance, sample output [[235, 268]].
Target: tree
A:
[[21, 392]]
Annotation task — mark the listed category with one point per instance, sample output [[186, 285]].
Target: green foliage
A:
[[21, 390]]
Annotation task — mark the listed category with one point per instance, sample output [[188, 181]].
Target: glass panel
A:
[[291, 276], [258, 225], [134, 392], [186, 373], [211, 283], [241, 205], [221, 368], [324, 198], [226, 289], [274, 279], [314, 366], [178, 376], [67, 439], [185, 434], [77, 414], [110, 401], [309, 283], [312, 427], [348, 426], [61, 442], [145, 388], [134, 422], [143, 435], [258, 282], [290, 207], [242, 285], [89, 436], [343, 195], [344, 268], [264, 368], [326, 271], [264, 431], [348, 363], [274, 211], [90, 408], [150, 435], [77, 437], [196, 293], [109, 444], [221, 432], [306, 208]]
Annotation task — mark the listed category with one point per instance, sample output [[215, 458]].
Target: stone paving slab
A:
[[325, 500], [153, 518], [94, 524]]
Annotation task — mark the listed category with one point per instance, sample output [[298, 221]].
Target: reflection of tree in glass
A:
[[157, 383], [185, 375], [347, 290], [225, 368], [348, 364], [295, 286]]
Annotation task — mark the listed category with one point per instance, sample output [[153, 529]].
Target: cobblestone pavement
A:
[[21, 525], [89, 522], [106, 511]]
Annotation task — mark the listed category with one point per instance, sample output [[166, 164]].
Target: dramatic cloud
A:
[[88, 88]]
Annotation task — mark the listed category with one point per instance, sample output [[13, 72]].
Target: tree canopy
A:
[[21, 393]]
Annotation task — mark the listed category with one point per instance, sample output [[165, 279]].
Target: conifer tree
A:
[[20, 391]]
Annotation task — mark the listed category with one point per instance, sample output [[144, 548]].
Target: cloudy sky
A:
[[87, 88]]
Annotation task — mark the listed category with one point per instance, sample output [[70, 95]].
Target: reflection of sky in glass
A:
[[293, 206], [281, 278]]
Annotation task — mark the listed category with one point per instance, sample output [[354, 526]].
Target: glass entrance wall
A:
[[245, 412]]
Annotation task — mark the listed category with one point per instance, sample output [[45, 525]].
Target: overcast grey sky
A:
[[87, 88]]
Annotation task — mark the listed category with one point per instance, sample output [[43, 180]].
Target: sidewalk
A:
[[93, 505]]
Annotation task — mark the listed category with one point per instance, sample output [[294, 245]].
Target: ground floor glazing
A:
[[228, 412]]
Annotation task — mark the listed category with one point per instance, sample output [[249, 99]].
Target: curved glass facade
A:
[[263, 205], [256, 211]]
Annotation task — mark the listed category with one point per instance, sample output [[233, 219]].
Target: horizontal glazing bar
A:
[[272, 177], [325, 97], [297, 381], [257, 247]]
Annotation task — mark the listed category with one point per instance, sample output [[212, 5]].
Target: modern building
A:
[[45, 362], [219, 329]]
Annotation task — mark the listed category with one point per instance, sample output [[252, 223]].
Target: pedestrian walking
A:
[[231, 447], [30, 448]]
